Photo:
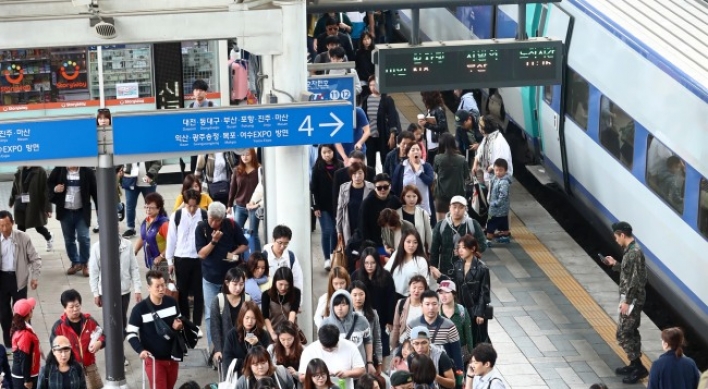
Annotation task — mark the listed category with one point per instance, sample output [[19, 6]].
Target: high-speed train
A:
[[626, 134]]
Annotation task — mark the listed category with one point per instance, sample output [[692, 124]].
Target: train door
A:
[[555, 23]]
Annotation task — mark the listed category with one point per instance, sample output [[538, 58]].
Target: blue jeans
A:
[[74, 227], [329, 235], [241, 214], [210, 291], [131, 200]]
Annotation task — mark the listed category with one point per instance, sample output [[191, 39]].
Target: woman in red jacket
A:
[[25, 346]]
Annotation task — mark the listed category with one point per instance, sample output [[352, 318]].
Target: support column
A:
[[415, 26], [110, 266], [287, 168]]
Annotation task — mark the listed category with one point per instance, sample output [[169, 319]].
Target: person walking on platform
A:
[[632, 288], [20, 265], [29, 199], [673, 369]]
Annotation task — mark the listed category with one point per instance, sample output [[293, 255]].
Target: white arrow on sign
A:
[[337, 125]]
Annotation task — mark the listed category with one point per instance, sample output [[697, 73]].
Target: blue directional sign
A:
[[52, 139], [332, 87], [213, 129]]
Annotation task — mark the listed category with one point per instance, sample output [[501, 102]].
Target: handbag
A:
[[219, 189], [229, 382], [128, 182], [338, 258], [161, 327], [93, 378], [489, 312]]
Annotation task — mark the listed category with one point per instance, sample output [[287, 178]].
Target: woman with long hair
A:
[[419, 217], [408, 308], [244, 180], [317, 376], [281, 302], [364, 66], [435, 121], [338, 279], [247, 333], [25, 345], [153, 234], [225, 309], [257, 278], [408, 260], [380, 285], [322, 199], [62, 371], [472, 279], [414, 171], [258, 366], [452, 171], [192, 182], [673, 369], [287, 349], [361, 304]]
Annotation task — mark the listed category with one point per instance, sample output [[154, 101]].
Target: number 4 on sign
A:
[[306, 125]]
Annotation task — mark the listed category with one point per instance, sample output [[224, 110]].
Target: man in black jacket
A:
[[384, 123], [372, 206], [71, 190]]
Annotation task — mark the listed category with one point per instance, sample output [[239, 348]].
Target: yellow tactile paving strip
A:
[[570, 287], [556, 272]]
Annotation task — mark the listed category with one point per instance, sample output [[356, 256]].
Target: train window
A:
[[578, 97], [548, 94], [617, 132], [666, 173], [703, 208]]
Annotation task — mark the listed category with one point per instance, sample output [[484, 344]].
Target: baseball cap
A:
[[459, 200], [401, 377], [461, 116], [24, 307], [622, 227], [420, 332], [447, 286]]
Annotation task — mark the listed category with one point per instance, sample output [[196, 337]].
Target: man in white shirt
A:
[[341, 356], [182, 257], [278, 255], [481, 369]]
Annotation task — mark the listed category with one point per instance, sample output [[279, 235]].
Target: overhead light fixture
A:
[[104, 27]]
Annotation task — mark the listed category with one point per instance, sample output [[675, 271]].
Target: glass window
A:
[[666, 173], [127, 71], [617, 132], [548, 94], [578, 97], [703, 208], [199, 62]]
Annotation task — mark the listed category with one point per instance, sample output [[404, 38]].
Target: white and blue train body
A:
[[635, 94]]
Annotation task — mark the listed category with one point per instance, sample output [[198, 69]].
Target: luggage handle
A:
[[154, 378]]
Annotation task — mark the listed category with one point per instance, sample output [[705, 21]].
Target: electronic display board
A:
[[481, 63]]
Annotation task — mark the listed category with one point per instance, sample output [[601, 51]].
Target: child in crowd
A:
[[499, 203]]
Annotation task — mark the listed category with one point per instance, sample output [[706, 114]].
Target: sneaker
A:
[[129, 233], [489, 243], [503, 239], [328, 264], [50, 243], [95, 230], [625, 370], [121, 213], [85, 271], [73, 269], [125, 362]]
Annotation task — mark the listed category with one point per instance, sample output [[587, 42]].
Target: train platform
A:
[[556, 311]]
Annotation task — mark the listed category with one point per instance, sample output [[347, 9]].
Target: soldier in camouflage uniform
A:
[[633, 278]]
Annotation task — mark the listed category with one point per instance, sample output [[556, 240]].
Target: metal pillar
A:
[[287, 168], [415, 26], [521, 25], [110, 266]]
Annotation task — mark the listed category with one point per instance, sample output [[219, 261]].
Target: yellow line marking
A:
[[570, 287]]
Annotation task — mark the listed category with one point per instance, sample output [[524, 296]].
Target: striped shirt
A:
[[443, 332]]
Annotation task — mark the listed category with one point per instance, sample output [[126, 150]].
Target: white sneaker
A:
[[50, 242], [328, 264], [125, 362]]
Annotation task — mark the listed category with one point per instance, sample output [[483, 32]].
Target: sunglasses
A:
[[62, 349], [383, 187]]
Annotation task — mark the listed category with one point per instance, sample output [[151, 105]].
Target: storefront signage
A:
[[332, 87], [53, 139], [190, 130]]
